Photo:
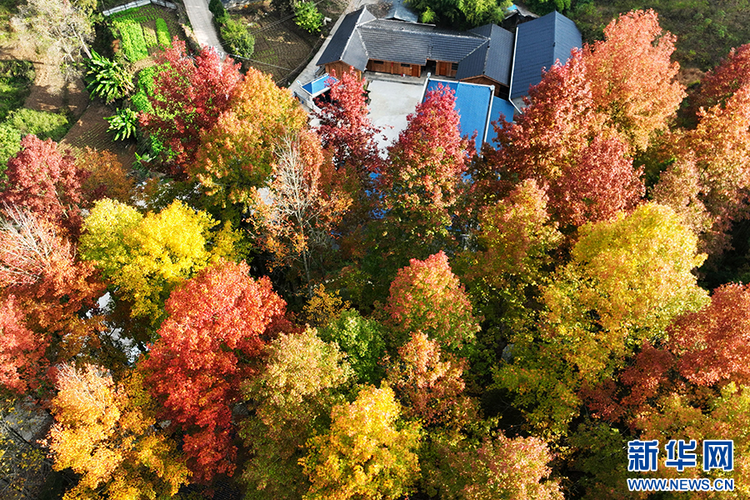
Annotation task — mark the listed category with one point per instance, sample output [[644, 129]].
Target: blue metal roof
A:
[[499, 107], [539, 44], [472, 104]]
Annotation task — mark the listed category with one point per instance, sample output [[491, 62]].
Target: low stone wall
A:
[[138, 3]]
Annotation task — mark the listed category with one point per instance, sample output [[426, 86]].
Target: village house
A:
[[488, 55]]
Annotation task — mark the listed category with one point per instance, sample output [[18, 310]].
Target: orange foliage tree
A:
[[53, 289], [236, 156], [564, 143], [633, 80], [301, 209], [21, 351]]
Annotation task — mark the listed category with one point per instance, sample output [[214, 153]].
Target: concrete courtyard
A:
[[390, 103]]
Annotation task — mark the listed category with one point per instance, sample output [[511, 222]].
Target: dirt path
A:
[[50, 92]]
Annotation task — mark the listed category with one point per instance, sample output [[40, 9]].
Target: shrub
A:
[[162, 33], [43, 124], [10, 144], [236, 38], [217, 9], [15, 85], [308, 17], [107, 78]]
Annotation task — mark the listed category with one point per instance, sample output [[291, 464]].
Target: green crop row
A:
[[145, 89], [162, 33], [149, 35], [133, 43]]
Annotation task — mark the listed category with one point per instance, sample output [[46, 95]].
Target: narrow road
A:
[[201, 20]]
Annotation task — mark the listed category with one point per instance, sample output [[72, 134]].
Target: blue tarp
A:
[[472, 105], [319, 85]]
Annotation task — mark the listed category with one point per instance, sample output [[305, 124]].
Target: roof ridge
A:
[[356, 25], [439, 31]]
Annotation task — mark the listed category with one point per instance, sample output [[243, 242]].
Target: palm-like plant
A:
[[107, 78]]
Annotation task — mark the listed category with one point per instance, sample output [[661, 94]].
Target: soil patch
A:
[[50, 91], [91, 130], [689, 76], [281, 47]]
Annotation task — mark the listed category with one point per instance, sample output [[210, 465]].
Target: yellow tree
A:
[[292, 396], [146, 257], [627, 280], [366, 453], [106, 433]]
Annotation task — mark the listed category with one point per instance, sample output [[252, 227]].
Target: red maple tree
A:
[[564, 144], [189, 95], [214, 330], [46, 183]]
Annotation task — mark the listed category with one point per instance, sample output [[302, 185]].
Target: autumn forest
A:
[[279, 310]]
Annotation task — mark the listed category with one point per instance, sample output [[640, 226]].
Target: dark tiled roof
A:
[[487, 50], [539, 44], [346, 45], [411, 43], [360, 37], [402, 12], [493, 59]]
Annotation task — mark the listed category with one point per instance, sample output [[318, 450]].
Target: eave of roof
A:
[[340, 47]]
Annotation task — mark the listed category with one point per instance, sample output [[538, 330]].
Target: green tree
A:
[[363, 341], [307, 16], [292, 397]]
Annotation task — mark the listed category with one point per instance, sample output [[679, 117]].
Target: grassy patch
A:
[[7, 9], [16, 78], [43, 124], [705, 30]]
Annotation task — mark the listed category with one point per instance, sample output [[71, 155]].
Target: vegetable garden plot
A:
[[281, 47], [144, 31]]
